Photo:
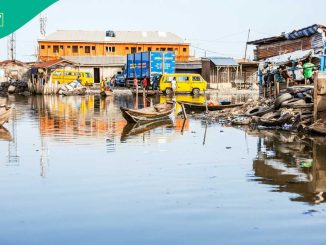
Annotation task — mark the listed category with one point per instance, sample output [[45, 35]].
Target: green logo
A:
[[1, 19]]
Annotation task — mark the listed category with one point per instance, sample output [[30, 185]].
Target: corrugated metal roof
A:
[[97, 60], [53, 63], [304, 32], [188, 66], [120, 37], [223, 61], [296, 55]]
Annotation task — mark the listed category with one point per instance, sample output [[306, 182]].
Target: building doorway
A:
[[96, 75]]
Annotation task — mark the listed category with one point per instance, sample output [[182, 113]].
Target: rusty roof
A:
[[52, 63], [295, 34]]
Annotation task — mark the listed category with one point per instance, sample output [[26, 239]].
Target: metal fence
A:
[[238, 79]]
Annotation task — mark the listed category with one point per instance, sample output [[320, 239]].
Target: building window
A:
[[75, 49], [139, 48], [55, 49], [162, 49], [170, 49], [149, 49], [184, 50], [110, 49], [61, 46], [87, 49], [93, 47], [157, 49], [68, 46], [49, 46], [42, 47], [127, 48]]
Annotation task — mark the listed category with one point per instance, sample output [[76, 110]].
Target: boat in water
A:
[[209, 107], [5, 112], [152, 113]]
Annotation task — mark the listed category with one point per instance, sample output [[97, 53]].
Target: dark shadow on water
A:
[[291, 163]]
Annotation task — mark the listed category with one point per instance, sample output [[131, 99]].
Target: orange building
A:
[[109, 43]]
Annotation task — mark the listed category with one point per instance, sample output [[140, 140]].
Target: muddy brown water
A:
[[73, 172]]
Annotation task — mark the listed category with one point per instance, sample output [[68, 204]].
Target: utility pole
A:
[[11, 48], [43, 21], [245, 56]]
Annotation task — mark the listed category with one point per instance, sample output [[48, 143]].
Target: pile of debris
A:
[[291, 110], [73, 88], [14, 87]]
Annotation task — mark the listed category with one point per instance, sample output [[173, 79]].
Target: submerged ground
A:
[[73, 172]]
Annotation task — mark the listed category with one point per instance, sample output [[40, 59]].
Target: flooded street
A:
[[73, 172]]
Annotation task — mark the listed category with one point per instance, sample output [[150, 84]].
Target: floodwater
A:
[[73, 172]]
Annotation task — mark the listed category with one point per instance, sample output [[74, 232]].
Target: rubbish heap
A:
[[73, 88], [13, 87], [291, 110]]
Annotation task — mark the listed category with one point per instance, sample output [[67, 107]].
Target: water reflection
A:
[[132, 129], [292, 163]]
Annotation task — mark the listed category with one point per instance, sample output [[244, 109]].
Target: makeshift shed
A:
[[13, 70]]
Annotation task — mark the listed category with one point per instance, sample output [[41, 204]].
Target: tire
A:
[[258, 111], [280, 99], [195, 91], [293, 102], [168, 91]]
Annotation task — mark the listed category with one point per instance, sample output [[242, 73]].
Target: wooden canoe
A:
[[5, 134], [137, 128], [156, 112], [5, 113], [202, 107]]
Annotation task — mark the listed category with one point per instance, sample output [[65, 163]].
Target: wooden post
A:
[[320, 96], [184, 111], [144, 98]]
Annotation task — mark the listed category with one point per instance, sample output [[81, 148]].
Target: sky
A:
[[213, 27]]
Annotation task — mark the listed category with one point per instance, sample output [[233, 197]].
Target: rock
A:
[[11, 89]]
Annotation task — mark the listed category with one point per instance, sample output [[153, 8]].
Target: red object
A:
[[145, 82]]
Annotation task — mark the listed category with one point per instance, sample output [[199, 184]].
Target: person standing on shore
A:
[[145, 83], [308, 68], [298, 72], [174, 85], [155, 82], [136, 84]]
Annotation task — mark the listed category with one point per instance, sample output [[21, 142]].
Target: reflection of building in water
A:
[[90, 119], [292, 164], [13, 158]]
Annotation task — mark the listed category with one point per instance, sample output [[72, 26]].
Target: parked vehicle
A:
[[186, 83], [120, 80], [156, 112], [67, 76], [148, 64]]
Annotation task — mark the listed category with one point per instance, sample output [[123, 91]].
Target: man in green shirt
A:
[[308, 68]]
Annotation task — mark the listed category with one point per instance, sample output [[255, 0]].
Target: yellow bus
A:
[[67, 76], [185, 83]]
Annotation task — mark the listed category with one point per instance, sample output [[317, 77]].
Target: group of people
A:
[[271, 76], [107, 84], [147, 82]]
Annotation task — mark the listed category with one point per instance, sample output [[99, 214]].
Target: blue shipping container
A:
[[149, 64]]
